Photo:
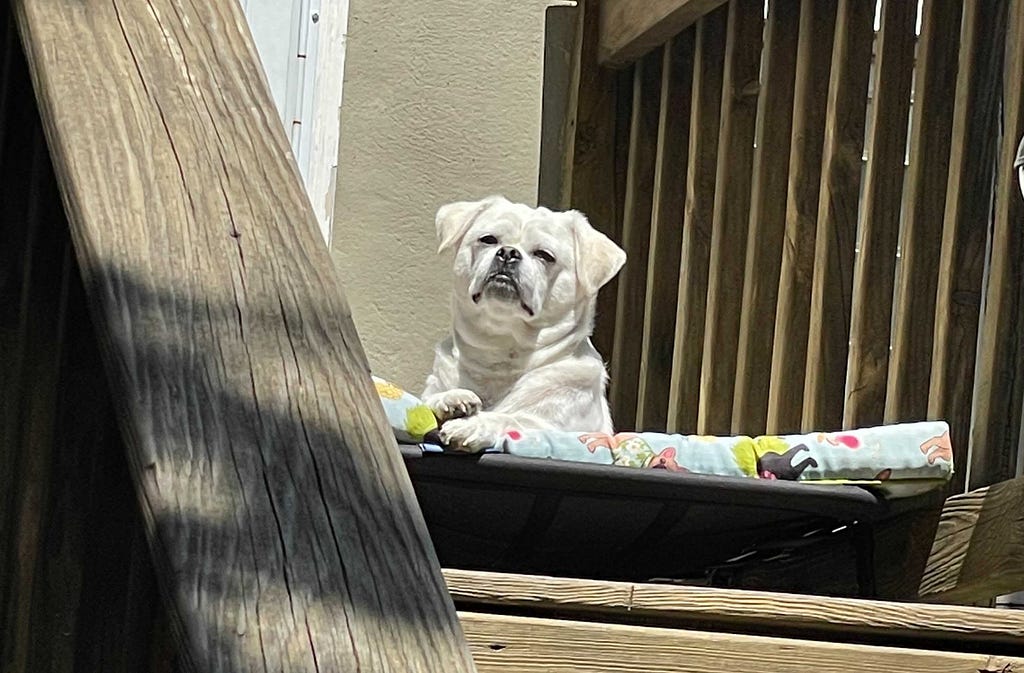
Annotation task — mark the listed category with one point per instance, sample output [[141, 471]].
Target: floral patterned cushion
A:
[[904, 458]]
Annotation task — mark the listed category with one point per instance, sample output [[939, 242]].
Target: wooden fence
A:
[[821, 218]]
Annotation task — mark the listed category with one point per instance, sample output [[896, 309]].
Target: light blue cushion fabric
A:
[[903, 459]]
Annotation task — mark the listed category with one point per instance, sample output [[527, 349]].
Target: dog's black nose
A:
[[509, 255]]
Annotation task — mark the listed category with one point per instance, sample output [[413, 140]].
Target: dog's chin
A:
[[503, 290]]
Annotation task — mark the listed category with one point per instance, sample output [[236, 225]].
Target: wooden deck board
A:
[[524, 645], [809, 616]]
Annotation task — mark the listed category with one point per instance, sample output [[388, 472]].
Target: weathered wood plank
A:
[[505, 643], [838, 206], [767, 218], [702, 157], [874, 273], [636, 228], [1000, 379], [740, 86], [670, 175], [281, 520], [792, 318], [842, 619], [924, 199], [594, 161], [964, 234], [630, 29], [978, 546], [563, 67]]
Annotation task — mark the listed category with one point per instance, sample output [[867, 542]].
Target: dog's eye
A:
[[544, 256], [488, 240]]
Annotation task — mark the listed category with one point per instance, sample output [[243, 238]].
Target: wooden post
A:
[[978, 546], [282, 524]]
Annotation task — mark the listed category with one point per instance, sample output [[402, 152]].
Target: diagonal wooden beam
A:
[[631, 28], [979, 546], [282, 524]]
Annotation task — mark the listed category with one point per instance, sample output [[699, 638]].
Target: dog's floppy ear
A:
[[454, 220], [598, 258]]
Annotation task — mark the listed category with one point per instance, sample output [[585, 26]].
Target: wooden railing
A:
[[281, 525], [812, 244]]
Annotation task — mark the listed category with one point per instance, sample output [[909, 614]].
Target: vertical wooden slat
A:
[[28, 438], [731, 214], [968, 206], [831, 288], [996, 423], [767, 217], [620, 149], [702, 157], [923, 206], [666, 233], [563, 66], [8, 43], [12, 235], [636, 226], [875, 266], [789, 356], [594, 161]]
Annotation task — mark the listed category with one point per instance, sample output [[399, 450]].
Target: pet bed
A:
[[590, 505]]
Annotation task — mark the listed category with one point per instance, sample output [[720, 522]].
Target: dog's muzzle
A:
[[502, 281]]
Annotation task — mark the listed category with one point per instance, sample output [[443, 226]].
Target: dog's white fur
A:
[[519, 354]]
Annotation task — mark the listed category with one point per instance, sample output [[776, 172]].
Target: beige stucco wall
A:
[[442, 102]]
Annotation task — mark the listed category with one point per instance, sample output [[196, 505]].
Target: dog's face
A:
[[516, 263]]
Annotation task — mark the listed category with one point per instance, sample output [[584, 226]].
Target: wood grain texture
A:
[[978, 546], [280, 518], [875, 265], [841, 619], [670, 175], [695, 254], [923, 205], [636, 228], [968, 206], [767, 218], [504, 643], [1000, 380], [792, 319], [630, 29], [838, 206], [563, 51], [593, 177], [740, 88]]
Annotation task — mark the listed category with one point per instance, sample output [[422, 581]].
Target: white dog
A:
[[519, 355]]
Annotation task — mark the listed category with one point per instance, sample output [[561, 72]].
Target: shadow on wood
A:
[[281, 522]]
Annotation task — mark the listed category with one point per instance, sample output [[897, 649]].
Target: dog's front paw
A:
[[454, 403], [474, 433]]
